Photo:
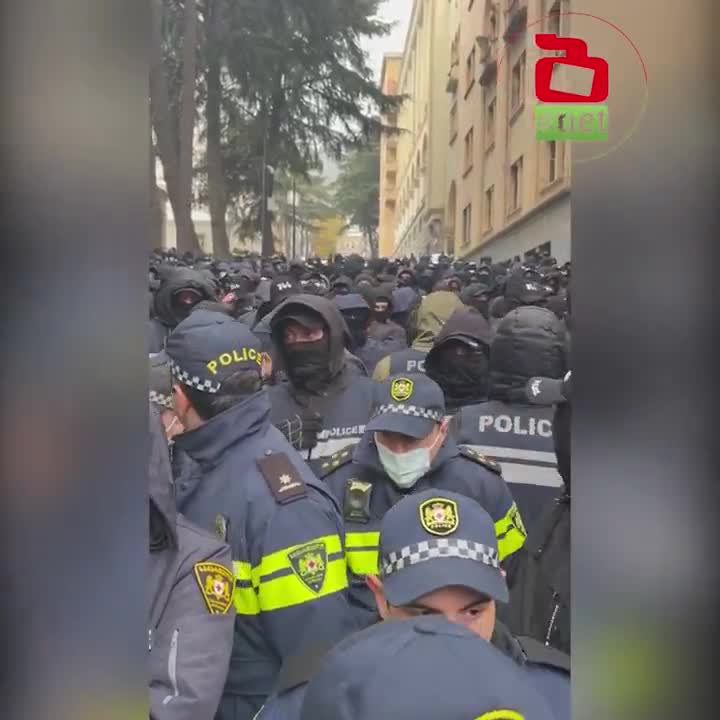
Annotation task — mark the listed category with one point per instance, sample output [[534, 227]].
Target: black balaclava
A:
[[562, 423], [356, 321], [463, 376], [308, 363]]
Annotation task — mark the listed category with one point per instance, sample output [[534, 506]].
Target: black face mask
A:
[[308, 364], [358, 331], [463, 378], [381, 316]]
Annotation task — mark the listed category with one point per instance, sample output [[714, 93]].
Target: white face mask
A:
[[405, 469]]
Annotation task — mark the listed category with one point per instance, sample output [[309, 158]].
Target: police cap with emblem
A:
[[424, 668], [160, 381], [207, 348], [549, 391], [409, 404], [434, 539]]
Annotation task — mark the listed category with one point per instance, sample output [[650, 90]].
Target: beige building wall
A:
[[423, 120], [390, 76], [508, 193]]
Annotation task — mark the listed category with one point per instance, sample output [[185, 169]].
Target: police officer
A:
[[424, 668], [251, 488], [160, 394], [406, 449], [191, 615], [438, 556], [530, 341], [310, 333], [540, 600], [430, 316]]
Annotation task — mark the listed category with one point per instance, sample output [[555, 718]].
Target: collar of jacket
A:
[[208, 443], [366, 454]]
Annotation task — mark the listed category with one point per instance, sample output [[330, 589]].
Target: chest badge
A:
[[439, 516]]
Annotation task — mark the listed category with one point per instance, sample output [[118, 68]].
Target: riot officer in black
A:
[[529, 342]]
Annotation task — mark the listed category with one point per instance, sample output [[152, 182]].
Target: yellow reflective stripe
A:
[[289, 590], [362, 552], [510, 532], [279, 560], [244, 597]]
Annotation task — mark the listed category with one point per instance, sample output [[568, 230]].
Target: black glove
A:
[[301, 430]]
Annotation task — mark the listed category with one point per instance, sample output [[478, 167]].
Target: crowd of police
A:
[[359, 485]]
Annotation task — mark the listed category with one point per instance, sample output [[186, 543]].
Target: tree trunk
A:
[[156, 217], [373, 242], [217, 192], [167, 140], [187, 124]]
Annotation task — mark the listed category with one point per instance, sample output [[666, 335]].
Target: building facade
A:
[[472, 179], [423, 125], [389, 78], [510, 193]]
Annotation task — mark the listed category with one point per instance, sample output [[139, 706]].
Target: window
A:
[[390, 178], [392, 119], [489, 207], [392, 154], [515, 196], [553, 19], [390, 204], [469, 150], [470, 71], [467, 225], [517, 85], [492, 25], [453, 123], [490, 124], [552, 160]]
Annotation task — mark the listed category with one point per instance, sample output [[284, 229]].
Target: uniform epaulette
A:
[[338, 459], [479, 458], [282, 477], [540, 654]]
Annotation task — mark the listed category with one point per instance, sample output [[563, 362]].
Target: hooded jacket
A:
[[189, 643], [466, 325], [432, 313], [345, 404], [246, 482], [164, 315]]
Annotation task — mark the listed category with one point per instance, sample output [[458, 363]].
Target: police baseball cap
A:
[[409, 404], [424, 668], [433, 539], [548, 391], [208, 347]]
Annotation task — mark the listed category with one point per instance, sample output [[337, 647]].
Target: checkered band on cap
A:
[[160, 399], [411, 410], [193, 380], [442, 547]]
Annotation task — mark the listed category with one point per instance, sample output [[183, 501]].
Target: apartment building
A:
[[506, 193], [423, 119], [389, 79]]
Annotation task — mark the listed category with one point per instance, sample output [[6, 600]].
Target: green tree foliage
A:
[[357, 192]]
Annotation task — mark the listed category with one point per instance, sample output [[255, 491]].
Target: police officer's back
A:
[[530, 341], [250, 487], [406, 449]]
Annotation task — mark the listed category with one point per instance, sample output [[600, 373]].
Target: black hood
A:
[[330, 313], [529, 342], [464, 322], [160, 485], [180, 279], [520, 290]]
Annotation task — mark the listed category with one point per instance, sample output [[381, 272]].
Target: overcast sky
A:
[[397, 11]]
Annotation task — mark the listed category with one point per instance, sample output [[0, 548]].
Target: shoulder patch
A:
[[540, 654], [479, 458], [333, 462], [282, 478], [216, 585]]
